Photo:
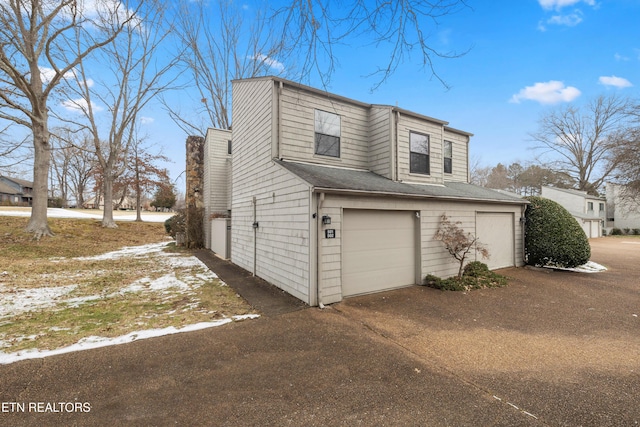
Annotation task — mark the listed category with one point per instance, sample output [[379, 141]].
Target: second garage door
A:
[[495, 230], [379, 250]]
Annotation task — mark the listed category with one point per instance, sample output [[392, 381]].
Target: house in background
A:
[[589, 211], [331, 197], [15, 191], [623, 211]]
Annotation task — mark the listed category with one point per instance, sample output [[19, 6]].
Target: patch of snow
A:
[[589, 267], [160, 284], [97, 342], [72, 213], [128, 251], [14, 301]]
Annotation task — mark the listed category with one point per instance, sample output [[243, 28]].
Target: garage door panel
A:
[[495, 230], [378, 250]]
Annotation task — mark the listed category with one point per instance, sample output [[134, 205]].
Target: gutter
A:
[[415, 196]]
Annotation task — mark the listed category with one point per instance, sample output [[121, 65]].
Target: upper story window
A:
[[448, 157], [590, 206], [419, 153], [601, 207], [327, 128]]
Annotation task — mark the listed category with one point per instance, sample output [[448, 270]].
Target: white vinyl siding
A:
[[278, 250], [297, 128], [217, 177], [460, 157], [381, 138], [406, 126]]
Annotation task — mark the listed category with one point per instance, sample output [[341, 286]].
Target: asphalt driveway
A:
[[553, 348]]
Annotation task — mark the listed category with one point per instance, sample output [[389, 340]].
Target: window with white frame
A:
[[419, 153], [448, 157], [327, 129]]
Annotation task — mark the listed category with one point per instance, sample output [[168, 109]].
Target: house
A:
[[331, 197], [623, 210], [121, 203], [589, 211], [14, 191]]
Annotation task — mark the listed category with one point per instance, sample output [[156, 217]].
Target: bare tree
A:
[[312, 29], [298, 40], [36, 55], [580, 140], [458, 243], [143, 173], [626, 162], [132, 74], [218, 45]]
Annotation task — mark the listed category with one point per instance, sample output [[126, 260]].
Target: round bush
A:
[[553, 236]]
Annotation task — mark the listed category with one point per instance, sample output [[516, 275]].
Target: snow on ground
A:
[[97, 342], [589, 267], [15, 301], [73, 213]]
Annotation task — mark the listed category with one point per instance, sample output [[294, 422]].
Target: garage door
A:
[[495, 230], [379, 250]]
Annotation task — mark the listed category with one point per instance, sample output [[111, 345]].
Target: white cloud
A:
[[618, 82], [79, 104], [619, 57], [559, 4], [551, 92], [47, 74], [270, 62], [146, 120], [570, 20]]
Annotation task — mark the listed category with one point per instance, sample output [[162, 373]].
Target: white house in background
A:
[[332, 197], [589, 211], [622, 212]]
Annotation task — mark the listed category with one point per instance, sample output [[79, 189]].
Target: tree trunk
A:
[[107, 213], [38, 224]]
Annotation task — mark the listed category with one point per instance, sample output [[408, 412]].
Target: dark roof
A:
[[7, 189], [22, 182], [332, 179]]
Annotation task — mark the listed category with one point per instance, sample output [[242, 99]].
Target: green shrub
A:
[[636, 231], [553, 236], [175, 224], [616, 232], [476, 276]]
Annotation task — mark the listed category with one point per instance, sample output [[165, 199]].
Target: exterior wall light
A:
[[326, 219]]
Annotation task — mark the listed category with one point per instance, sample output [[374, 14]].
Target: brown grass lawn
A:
[[94, 296]]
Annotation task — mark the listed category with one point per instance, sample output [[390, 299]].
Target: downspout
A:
[[523, 224], [395, 146], [319, 254], [278, 113], [255, 234]]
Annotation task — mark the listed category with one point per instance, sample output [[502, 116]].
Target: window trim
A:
[[319, 134], [445, 158], [427, 155]]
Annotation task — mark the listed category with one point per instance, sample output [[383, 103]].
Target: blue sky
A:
[[524, 58]]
